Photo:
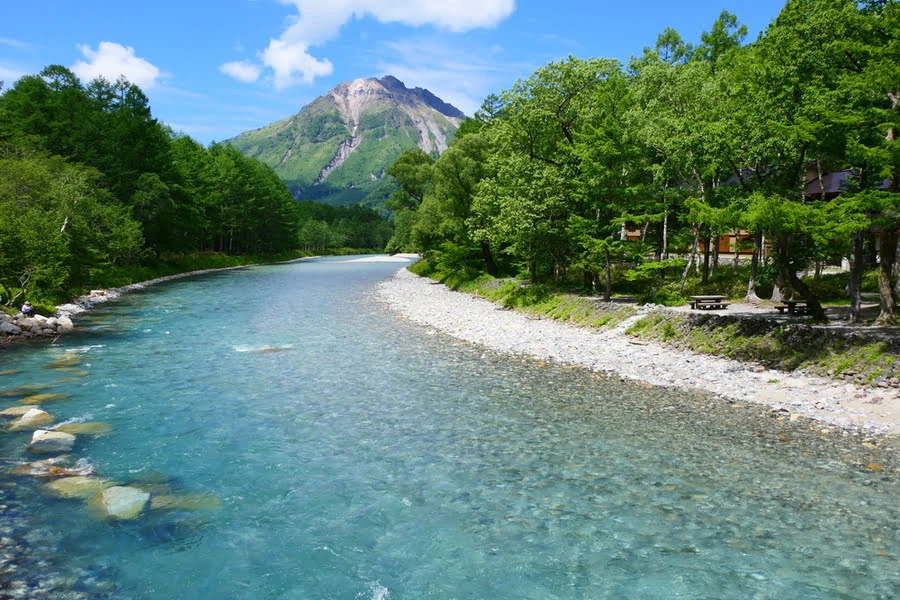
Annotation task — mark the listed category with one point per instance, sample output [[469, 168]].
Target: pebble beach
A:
[[437, 308]]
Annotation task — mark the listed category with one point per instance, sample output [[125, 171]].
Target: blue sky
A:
[[215, 69]]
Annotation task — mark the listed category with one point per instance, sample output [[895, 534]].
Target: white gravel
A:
[[474, 319]]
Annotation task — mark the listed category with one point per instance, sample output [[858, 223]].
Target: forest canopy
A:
[[787, 146], [91, 181]]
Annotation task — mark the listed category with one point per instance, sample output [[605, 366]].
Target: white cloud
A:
[[318, 21], [293, 64], [111, 61], [16, 44], [243, 71], [9, 75]]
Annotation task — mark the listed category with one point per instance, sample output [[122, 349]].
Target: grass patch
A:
[[784, 347], [535, 300]]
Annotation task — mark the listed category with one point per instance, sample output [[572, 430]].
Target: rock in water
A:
[[41, 466], [119, 502], [32, 419], [15, 411], [51, 442], [95, 428], [38, 398], [72, 361], [185, 502], [76, 487]]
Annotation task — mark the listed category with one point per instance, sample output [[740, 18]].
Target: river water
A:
[[343, 453]]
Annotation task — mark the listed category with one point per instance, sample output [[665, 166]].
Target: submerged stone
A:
[[119, 502], [24, 390], [61, 363], [185, 502], [32, 419], [182, 532], [76, 487], [39, 398], [73, 372], [51, 442], [95, 428], [14, 412], [9, 372]]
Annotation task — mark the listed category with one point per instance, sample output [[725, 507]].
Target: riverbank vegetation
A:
[[867, 360], [848, 355], [95, 192], [721, 167]]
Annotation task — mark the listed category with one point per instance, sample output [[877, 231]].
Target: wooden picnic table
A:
[[710, 302], [793, 307]]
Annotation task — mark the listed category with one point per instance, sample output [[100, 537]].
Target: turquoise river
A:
[[331, 450]]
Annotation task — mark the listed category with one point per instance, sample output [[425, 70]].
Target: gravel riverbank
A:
[[840, 404]]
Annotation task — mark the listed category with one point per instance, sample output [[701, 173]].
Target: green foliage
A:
[[787, 347], [354, 226], [92, 187], [600, 173]]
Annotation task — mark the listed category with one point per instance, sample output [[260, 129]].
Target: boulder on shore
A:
[[51, 442], [38, 325], [119, 502]]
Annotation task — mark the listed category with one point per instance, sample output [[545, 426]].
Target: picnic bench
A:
[[713, 302], [793, 307]]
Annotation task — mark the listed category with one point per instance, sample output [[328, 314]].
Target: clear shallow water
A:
[[356, 457]]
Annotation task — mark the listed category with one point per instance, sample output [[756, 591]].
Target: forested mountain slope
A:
[[337, 148]]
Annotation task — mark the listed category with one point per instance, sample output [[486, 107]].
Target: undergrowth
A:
[[779, 346], [786, 347], [534, 300]]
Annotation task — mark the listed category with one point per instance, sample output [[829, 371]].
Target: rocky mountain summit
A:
[[337, 148]]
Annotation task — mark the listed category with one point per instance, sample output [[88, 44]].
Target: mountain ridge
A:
[[337, 148]]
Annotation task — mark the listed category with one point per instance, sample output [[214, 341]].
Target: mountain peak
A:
[[397, 89], [338, 147]]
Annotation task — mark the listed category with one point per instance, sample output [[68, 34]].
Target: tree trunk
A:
[[665, 236], [532, 271], [587, 282], [787, 274], [887, 253], [813, 305], [754, 268], [706, 249], [715, 256], [854, 286], [687, 268], [737, 251], [488, 257], [658, 251], [607, 293], [781, 291]]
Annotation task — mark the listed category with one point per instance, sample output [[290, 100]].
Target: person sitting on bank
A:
[[27, 309]]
